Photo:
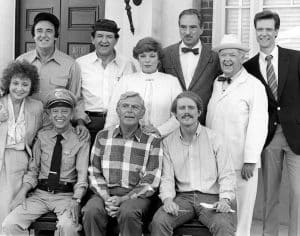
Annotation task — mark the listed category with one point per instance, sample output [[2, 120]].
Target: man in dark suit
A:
[[193, 63], [279, 70]]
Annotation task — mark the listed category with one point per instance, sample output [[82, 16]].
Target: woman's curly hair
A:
[[20, 69]]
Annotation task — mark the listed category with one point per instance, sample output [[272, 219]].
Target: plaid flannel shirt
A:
[[134, 164]]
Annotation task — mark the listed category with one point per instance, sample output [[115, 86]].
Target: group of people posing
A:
[[192, 125]]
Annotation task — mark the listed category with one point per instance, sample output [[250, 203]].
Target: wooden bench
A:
[[46, 225]]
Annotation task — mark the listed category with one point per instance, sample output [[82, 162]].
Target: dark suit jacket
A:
[[286, 110], [208, 68]]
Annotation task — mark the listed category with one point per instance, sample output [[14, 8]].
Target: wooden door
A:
[[76, 19]]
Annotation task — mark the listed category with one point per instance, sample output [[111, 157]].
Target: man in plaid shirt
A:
[[125, 171]]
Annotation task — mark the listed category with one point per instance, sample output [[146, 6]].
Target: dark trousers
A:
[[219, 224], [130, 218], [96, 124]]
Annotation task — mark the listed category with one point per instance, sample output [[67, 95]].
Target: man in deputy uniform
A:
[[58, 171]]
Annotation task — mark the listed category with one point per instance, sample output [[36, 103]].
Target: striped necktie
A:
[[271, 77]]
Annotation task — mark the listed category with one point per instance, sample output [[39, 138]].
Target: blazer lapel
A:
[[29, 120], [283, 66], [258, 75], [175, 57], [203, 60]]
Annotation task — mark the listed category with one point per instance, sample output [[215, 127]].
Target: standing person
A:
[[238, 109], [279, 71], [125, 171], [192, 62], [197, 168], [57, 173], [56, 69], [157, 89], [20, 119], [100, 71]]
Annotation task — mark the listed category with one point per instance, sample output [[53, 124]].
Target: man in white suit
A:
[[238, 109]]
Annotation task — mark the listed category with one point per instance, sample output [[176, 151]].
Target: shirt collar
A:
[[117, 59], [55, 56], [198, 45], [65, 134], [236, 75], [137, 134], [151, 76], [198, 131], [274, 53]]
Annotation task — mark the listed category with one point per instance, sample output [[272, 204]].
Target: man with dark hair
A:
[[57, 172], [56, 69], [100, 71], [279, 70], [197, 173], [125, 171], [192, 62]]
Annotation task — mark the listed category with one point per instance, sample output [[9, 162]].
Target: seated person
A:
[[58, 170], [196, 169], [125, 171]]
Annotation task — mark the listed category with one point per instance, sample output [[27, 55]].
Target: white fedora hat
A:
[[230, 41]]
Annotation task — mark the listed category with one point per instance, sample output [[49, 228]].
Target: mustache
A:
[[187, 115]]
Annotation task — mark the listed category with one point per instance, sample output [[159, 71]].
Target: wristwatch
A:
[[78, 200]]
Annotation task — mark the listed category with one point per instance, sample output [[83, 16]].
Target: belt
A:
[[97, 114], [63, 187]]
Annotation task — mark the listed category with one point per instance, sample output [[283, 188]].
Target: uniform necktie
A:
[[224, 78], [148, 101], [195, 51], [54, 173], [271, 77]]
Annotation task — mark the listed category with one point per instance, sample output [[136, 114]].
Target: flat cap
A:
[[106, 25], [60, 97]]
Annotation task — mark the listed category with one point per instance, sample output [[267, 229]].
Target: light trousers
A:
[[41, 202], [245, 198], [272, 164]]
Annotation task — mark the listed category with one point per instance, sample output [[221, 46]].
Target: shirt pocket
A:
[[69, 159], [59, 81]]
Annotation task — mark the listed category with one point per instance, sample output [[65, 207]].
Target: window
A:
[[236, 17]]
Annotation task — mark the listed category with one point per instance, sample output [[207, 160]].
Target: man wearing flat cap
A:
[[58, 171], [238, 110], [100, 71], [56, 69]]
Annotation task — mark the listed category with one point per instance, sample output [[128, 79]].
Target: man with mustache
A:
[[238, 110], [197, 169], [191, 61], [100, 71], [125, 171], [279, 70], [56, 69]]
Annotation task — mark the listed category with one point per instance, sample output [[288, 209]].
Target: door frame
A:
[[18, 21]]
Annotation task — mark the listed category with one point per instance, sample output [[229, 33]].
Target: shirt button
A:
[[275, 123], [278, 108]]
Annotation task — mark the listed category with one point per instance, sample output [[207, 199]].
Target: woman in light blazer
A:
[[20, 119]]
